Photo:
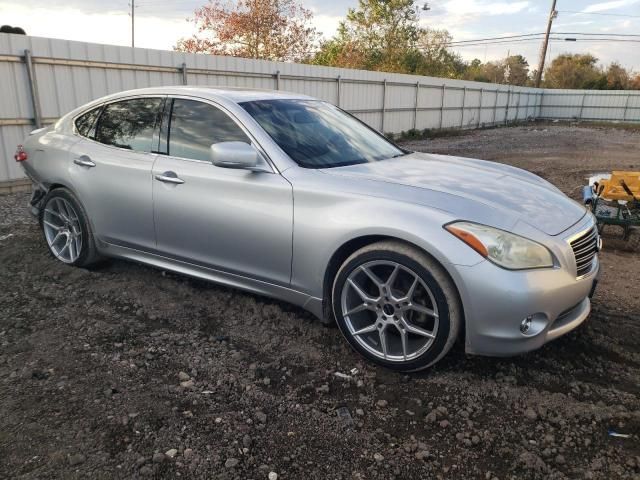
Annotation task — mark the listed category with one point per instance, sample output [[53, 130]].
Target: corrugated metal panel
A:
[[63, 87]]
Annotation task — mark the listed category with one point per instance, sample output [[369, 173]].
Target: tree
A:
[[385, 35], [617, 77], [574, 71], [513, 70], [266, 29]]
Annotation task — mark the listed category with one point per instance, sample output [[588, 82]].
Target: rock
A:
[[188, 453], [246, 441], [560, 460], [261, 417], [377, 457], [533, 462], [475, 439], [444, 423], [171, 453], [431, 417], [231, 462], [273, 476], [266, 381], [158, 457], [531, 414], [359, 412], [76, 459], [422, 454], [382, 403], [323, 389], [188, 384], [183, 376], [146, 471]]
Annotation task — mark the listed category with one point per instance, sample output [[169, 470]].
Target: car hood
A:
[[505, 189]]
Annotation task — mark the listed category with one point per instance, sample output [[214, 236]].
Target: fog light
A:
[[525, 325]]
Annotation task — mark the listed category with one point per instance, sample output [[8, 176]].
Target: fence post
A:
[[444, 91], [183, 72], [33, 88], [495, 106], [464, 98], [506, 107], [480, 107], [518, 106], [339, 84], [277, 78], [415, 109], [626, 107], [384, 103], [584, 96], [541, 96]]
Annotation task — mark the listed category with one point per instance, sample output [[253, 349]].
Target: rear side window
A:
[[129, 124], [85, 123], [195, 126]]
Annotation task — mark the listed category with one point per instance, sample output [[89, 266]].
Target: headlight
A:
[[502, 248]]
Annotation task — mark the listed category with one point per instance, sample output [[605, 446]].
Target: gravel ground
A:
[[127, 371]]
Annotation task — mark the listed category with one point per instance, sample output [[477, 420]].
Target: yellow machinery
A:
[[616, 201], [621, 186]]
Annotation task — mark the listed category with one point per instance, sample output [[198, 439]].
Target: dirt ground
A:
[[126, 371]]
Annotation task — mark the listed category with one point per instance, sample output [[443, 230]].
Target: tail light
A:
[[20, 155]]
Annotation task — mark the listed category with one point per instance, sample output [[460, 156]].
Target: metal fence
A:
[[44, 78]]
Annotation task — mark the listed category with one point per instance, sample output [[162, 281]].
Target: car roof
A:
[[234, 94]]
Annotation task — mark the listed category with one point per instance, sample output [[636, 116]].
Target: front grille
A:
[[585, 248]]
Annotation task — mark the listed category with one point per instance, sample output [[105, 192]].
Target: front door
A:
[[237, 221]]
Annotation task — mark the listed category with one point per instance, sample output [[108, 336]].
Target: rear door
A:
[[112, 166], [237, 221]]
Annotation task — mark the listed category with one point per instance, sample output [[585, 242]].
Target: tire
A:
[[63, 217], [365, 310]]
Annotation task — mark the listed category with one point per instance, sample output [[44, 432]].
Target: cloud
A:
[[476, 7], [599, 7], [112, 28]]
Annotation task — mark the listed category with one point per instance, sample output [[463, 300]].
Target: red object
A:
[[20, 155]]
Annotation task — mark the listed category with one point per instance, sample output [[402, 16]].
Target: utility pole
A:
[[543, 53], [133, 8]]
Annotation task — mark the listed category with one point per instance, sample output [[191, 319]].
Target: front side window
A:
[[316, 134], [129, 124], [195, 126], [86, 122]]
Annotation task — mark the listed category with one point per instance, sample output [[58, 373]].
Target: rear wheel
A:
[[67, 230], [396, 306]]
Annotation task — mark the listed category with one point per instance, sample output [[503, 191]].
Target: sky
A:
[[160, 23]]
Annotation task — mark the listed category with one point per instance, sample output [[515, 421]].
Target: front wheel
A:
[[396, 306]]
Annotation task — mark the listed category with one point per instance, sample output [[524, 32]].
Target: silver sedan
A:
[[288, 196]]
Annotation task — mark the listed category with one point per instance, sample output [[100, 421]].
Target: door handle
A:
[[169, 177], [84, 161]]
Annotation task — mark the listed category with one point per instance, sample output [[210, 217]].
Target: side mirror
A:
[[239, 155]]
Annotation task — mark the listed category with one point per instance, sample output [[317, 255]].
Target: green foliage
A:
[[582, 71], [384, 35]]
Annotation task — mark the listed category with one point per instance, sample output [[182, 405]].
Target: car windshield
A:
[[316, 134]]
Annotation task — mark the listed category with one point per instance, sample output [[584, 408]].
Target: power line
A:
[[555, 39], [599, 13], [587, 34]]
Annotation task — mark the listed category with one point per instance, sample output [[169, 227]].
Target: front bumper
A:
[[496, 301]]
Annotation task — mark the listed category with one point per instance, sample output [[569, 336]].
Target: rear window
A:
[[85, 123], [129, 124]]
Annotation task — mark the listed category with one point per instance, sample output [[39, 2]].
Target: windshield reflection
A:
[[316, 134]]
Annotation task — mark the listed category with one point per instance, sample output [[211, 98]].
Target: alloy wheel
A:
[[389, 310], [62, 230]]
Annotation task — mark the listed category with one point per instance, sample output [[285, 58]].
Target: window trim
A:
[[102, 106], [171, 97], [95, 123]]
